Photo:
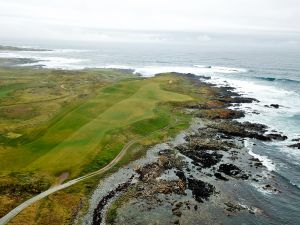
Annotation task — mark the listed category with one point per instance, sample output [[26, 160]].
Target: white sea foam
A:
[[221, 69], [220, 75], [56, 59], [296, 185], [264, 159], [293, 153], [123, 67], [70, 50], [49, 59], [279, 119], [276, 119], [10, 55], [149, 71], [197, 70], [260, 188]]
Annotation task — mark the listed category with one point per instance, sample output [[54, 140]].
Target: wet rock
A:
[[207, 139], [255, 127], [137, 168], [97, 214], [177, 213], [150, 171], [200, 189], [220, 114], [297, 145], [276, 106], [254, 159], [277, 137], [244, 100], [153, 187], [268, 187], [204, 158], [220, 177], [244, 176], [231, 207], [213, 104], [164, 161], [178, 204], [167, 187], [229, 169], [210, 144], [254, 210], [176, 210], [258, 164], [181, 175], [233, 171], [296, 139], [206, 133], [236, 129], [164, 152], [227, 93]]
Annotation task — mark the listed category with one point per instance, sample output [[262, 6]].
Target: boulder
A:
[[276, 106]]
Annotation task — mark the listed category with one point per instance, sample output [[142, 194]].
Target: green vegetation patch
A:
[[76, 122], [5, 90], [74, 140]]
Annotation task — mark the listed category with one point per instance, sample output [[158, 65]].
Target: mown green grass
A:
[[5, 90], [72, 142], [87, 132]]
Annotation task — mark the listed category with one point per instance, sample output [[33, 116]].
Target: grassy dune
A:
[[72, 141], [52, 122], [7, 89], [78, 134]]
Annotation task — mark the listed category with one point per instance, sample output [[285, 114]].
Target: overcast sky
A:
[[90, 19]]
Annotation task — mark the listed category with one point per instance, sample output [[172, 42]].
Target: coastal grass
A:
[[60, 206], [102, 111], [5, 90], [113, 108], [32, 101], [73, 141]]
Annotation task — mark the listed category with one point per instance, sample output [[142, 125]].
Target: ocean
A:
[[272, 76]]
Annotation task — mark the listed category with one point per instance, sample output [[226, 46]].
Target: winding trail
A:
[[54, 189], [34, 102]]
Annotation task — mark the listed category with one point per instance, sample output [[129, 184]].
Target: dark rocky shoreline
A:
[[97, 217], [192, 181]]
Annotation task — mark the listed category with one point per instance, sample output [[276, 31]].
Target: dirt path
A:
[[34, 102], [52, 190]]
